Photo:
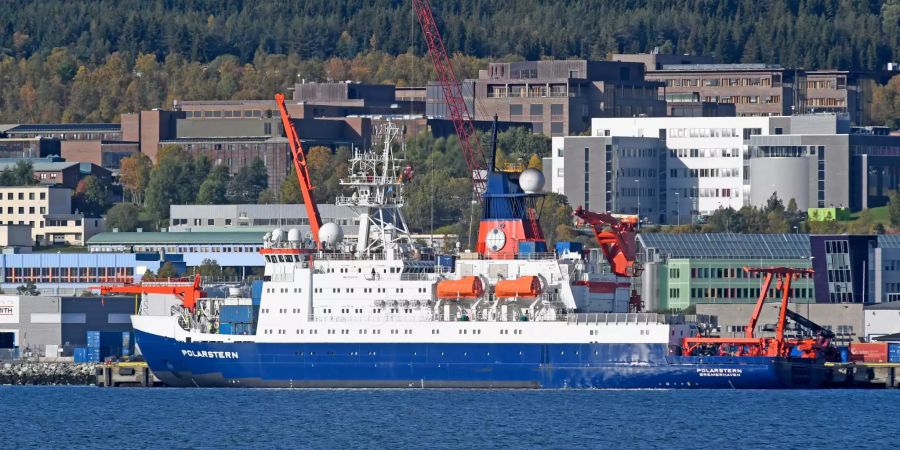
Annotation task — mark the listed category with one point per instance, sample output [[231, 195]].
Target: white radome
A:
[[277, 235], [531, 181], [331, 233], [293, 235]]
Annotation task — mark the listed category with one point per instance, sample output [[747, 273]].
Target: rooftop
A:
[[201, 238], [65, 127], [39, 165], [727, 245], [722, 67]]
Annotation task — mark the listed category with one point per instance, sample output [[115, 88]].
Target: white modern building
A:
[[677, 168], [882, 319]]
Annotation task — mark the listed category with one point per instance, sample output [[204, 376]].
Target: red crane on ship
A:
[[617, 238], [452, 90], [302, 169], [186, 291], [778, 346]]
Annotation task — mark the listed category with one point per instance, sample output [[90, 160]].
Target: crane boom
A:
[[302, 169], [187, 293], [616, 237], [452, 90]]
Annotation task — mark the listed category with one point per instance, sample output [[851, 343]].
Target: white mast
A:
[[376, 177]]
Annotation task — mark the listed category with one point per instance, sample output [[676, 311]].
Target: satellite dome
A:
[[331, 233], [268, 236], [293, 235], [277, 234], [531, 181]]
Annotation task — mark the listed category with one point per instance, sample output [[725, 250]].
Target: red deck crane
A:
[[186, 291], [616, 237], [777, 346], [452, 90], [302, 169]]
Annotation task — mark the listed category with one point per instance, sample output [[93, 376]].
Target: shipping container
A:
[[80, 355], [243, 328], [225, 328], [568, 247], [448, 261], [256, 289], [7, 339], [238, 313], [873, 352], [894, 352]]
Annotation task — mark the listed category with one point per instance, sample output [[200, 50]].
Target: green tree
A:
[[885, 106], [20, 174], [167, 271], [171, 182], [290, 189], [214, 187], [894, 208], [267, 196], [209, 268], [123, 216], [134, 175], [91, 196], [248, 183]]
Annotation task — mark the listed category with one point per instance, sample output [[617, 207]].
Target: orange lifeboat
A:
[[527, 286], [465, 287]]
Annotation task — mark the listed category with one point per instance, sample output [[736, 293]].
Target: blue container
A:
[[448, 261], [894, 353], [527, 247], [243, 328], [80, 355], [570, 247], [256, 289], [93, 355], [238, 313], [225, 328], [93, 339]]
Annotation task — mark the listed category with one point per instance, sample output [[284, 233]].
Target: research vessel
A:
[[378, 311]]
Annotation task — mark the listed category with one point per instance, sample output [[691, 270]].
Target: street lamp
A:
[[638, 181], [678, 207]]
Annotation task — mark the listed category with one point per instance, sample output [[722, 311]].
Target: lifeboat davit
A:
[[465, 287], [527, 287]]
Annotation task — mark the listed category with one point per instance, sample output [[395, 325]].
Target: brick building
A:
[[557, 98]]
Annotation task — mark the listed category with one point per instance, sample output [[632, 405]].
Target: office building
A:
[[721, 162], [48, 211], [680, 270], [557, 98], [30, 147], [268, 217]]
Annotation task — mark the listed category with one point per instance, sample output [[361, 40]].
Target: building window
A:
[[556, 128], [515, 110], [537, 128], [536, 110]]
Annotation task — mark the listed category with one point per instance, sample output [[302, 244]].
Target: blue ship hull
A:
[[548, 366]]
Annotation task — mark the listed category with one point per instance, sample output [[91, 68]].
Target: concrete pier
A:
[[125, 374], [865, 375]]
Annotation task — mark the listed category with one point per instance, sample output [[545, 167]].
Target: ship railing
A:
[[345, 256], [418, 276], [537, 255], [623, 318], [371, 318]]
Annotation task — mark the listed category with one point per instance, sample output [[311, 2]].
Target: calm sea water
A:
[[78, 417]]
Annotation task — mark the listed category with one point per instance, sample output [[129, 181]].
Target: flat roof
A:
[[727, 245], [40, 166], [177, 238], [64, 127]]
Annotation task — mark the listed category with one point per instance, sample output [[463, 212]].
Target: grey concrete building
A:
[[606, 173], [56, 325], [845, 320], [201, 217]]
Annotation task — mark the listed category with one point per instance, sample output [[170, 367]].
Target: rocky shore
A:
[[47, 373]]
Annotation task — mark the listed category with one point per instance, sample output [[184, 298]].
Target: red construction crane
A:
[[616, 237], [300, 166], [777, 346], [452, 89], [186, 291]]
